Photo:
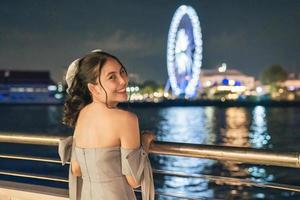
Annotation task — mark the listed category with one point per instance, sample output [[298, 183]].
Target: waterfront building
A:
[[18, 86], [286, 90], [293, 82], [290, 88], [230, 83]]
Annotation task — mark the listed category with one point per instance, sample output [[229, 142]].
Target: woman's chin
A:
[[121, 97]]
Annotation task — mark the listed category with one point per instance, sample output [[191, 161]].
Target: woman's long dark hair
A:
[[89, 69]]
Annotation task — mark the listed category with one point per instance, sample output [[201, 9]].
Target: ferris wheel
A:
[[184, 53]]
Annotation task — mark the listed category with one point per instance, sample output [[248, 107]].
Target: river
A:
[[260, 127]]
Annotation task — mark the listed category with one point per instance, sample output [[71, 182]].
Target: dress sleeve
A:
[[135, 162], [66, 151]]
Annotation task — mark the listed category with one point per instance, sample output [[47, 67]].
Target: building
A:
[[293, 82], [18, 86], [225, 81]]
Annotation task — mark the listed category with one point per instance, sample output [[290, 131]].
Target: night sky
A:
[[248, 35]]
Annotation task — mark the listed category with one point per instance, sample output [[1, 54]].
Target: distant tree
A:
[[273, 75], [150, 83], [147, 90], [150, 87]]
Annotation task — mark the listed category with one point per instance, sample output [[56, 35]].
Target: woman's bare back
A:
[[99, 126]]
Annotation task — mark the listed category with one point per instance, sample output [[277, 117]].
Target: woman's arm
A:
[[130, 139]]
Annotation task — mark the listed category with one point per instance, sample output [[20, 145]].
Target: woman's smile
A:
[[122, 90]]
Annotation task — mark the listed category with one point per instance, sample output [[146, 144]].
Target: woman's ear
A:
[[93, 89]]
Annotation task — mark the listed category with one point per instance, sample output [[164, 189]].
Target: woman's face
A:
[[114, 80]]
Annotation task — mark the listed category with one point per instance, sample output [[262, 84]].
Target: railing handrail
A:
[[228, 153], [225, 153], [21, 138]]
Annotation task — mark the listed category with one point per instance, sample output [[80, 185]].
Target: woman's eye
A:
[[112, 77]]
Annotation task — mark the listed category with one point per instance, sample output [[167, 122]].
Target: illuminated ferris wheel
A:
[[184, 53]]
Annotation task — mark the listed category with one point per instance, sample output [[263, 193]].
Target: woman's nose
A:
[[123, 81]]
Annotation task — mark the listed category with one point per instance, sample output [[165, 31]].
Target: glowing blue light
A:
[[225, 81], [237, 83]]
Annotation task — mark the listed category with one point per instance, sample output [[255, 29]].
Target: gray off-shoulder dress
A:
[[103, 172]]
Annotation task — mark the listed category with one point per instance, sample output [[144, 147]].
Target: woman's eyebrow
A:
[[113, 72]]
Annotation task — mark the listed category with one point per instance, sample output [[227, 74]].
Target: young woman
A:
[[107, 157]]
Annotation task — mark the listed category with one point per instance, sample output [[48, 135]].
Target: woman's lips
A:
[[121, 91]]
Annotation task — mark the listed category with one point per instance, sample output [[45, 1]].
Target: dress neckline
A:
[[106, 148], [94, 148]]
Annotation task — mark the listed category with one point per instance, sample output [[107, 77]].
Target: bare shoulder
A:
[[126, 117], [129, 129]]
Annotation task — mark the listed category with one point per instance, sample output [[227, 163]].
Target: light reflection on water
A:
[[235, 134], [259, 138], [257, 127], [189, 124], [238, 133], [258, 133], [241, 127], [185, 125]]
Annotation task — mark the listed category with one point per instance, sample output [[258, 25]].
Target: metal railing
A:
[[227, 153], [223, 153]]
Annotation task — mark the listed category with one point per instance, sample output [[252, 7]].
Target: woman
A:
[[107, 157]]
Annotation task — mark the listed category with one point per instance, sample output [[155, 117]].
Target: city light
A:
[[259, 90], [231, 88], [222, 68], [231, 82], [52, 88], [208, 83], [59, 87], [58, 96]]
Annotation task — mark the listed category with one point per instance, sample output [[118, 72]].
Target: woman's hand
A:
[[147, 138], [75, 168]]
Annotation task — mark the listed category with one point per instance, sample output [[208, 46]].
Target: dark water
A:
[[257, 127]]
